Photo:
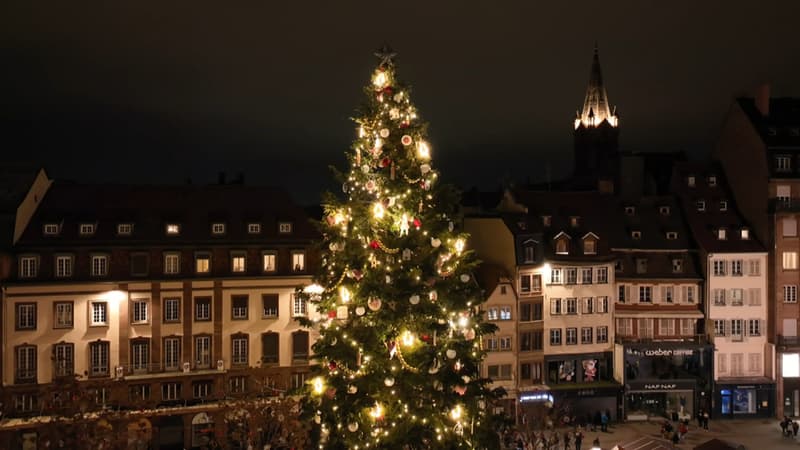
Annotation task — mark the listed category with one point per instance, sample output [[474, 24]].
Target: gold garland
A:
[[403, 361], [386, 249], [338, 282]]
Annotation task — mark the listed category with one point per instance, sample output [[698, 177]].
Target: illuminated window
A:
[[86, 229], [63, 312], [139, 311], [202, 263], [745, 234], [298, 261], [630, 210], [124, 229], [701, 205], [636, 235], [269, 304], [239, 304], [789, 260], [298, 306], [791, 365], [712, 181], [98, 313], [51, 229], [722, 234], [173, 229], [268, 261], [285, 227], [238, 262], [217, 228], [663, 210], [253, 228], [28, 266], [723, 205], [99, 265], [240, 347], [64, 265], [672, 235], [690, 180]]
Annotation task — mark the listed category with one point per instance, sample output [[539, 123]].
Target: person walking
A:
[[700, 419], [604, 423], [795, 426], [567, 439], [578, 439], [705, 420]]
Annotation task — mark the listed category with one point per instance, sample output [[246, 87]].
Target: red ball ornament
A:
[[331, 314], [425, 337], [374, 245], [417, 223], [385, 162], [388, 90], [332, 365]]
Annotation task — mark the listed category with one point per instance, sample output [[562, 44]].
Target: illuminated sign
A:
[[537, 397], [668, 352], [791, 365]]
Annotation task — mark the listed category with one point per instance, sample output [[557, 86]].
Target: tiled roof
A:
[[782, 126], [489, 276]]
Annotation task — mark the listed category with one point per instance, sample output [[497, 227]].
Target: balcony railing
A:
[[691, 339], [789, 341], [787, 205]]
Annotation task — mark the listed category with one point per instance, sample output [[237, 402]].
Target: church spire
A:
[[596, 109]]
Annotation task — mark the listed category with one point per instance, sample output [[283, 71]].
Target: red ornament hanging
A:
[[417, 223], [332, 365], [374, 245], [331, 314]]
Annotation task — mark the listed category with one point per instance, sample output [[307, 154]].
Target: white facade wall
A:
[[503, 360]]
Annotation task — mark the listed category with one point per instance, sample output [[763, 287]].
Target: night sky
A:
[[183, 90]]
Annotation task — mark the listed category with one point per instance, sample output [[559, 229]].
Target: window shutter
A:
[[745, 296], [628, 293]]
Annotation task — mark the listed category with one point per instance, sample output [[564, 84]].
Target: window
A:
[[555, 306], [140, 355], [783, 163], [754, 296], [587, 305], [124, 229], [572, 306], [754, 267], [623, 293], [712, 181], [789, 226], [630, 210], [722, 362], [170, 391], [688, 294], [602, 275], [555, 336], [202, 309], [298, 306], [636, 235], [63, 315], [667, 294], [586, 275], [253, 228], [202, 352], [602, 335], [530, 340], [722, 234], [719, 268], [555, 276], [172, 310], [525, 312], [645, 294], [789, 260], [64, 265], [586, 335], [505, 343], [26, 316], [139, 392], [525, 283], [663, 210], [687, 327], [64, 359], [239, 305], [719, 327], [202, 263], [790, 293], [285, 227], [690, 181], [499, 372], [562, 246], [51, 229], [237, 384], [574, 221], [28, 266], [572, 336], [505, 313], [677, 265], [641, 265], [98, 358], [139, 311], [719, 297], [701, 205], [268, 262], [666, 327], [754, 327], [491, 344], [723, 205], [589, 246], [737, 297], [140, 263], [737, 329], [172, 353], [754, 362], [300, 346], [99, 314], [238, 262], [25, 364], [173, 229], [625, 327], [618, 266], [744, 234], [217, 228], [172, 263], [270, 305], [269, 348], [298, 261], [547, 220], [646, 328], [529, 253], [239, 354], [571, 275], [99, 265], [784, 195], [602, 305], [86, 229]]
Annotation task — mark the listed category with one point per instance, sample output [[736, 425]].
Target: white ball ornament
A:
[[374, 304], [384, 132], [365, 168], [451, 353], [466, 379], [436, 242], [394, 113], [464, 278], [414, 299], [352, 426], [388, 381], [352, 389], [360, 310], [397, 97], [425, 168]]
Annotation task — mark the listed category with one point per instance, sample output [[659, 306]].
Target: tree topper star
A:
[[386, 55]]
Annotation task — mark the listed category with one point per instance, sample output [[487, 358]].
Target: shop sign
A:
[[586, 393], [668, 352], [661, 386]]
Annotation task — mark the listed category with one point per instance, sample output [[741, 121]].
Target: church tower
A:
[[596, 132]]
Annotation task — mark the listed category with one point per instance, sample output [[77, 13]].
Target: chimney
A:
[[762, 99]]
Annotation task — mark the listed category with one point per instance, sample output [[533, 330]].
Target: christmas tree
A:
[[400, 329]]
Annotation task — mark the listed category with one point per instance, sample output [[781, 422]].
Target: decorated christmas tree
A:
[[400, 329]]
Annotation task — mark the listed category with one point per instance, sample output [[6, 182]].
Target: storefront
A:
[[583, 384], [744, 400], [667, 380]]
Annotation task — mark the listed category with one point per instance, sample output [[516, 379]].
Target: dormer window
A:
[[672, 235], [636, 235], [253, 228], [562, 245], [285, 227], [690, 180], [722, 234], [663, 210], [677, 265], [217, 228], [124, 229], [51, 229], [783, 163], [529, 252], [701, 205], [590, 244], [641, 265], [630, 210], [173, 229], [547, 220], [86, 229], [723, 205], [712, 181], [745, 234], [574, 221]]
